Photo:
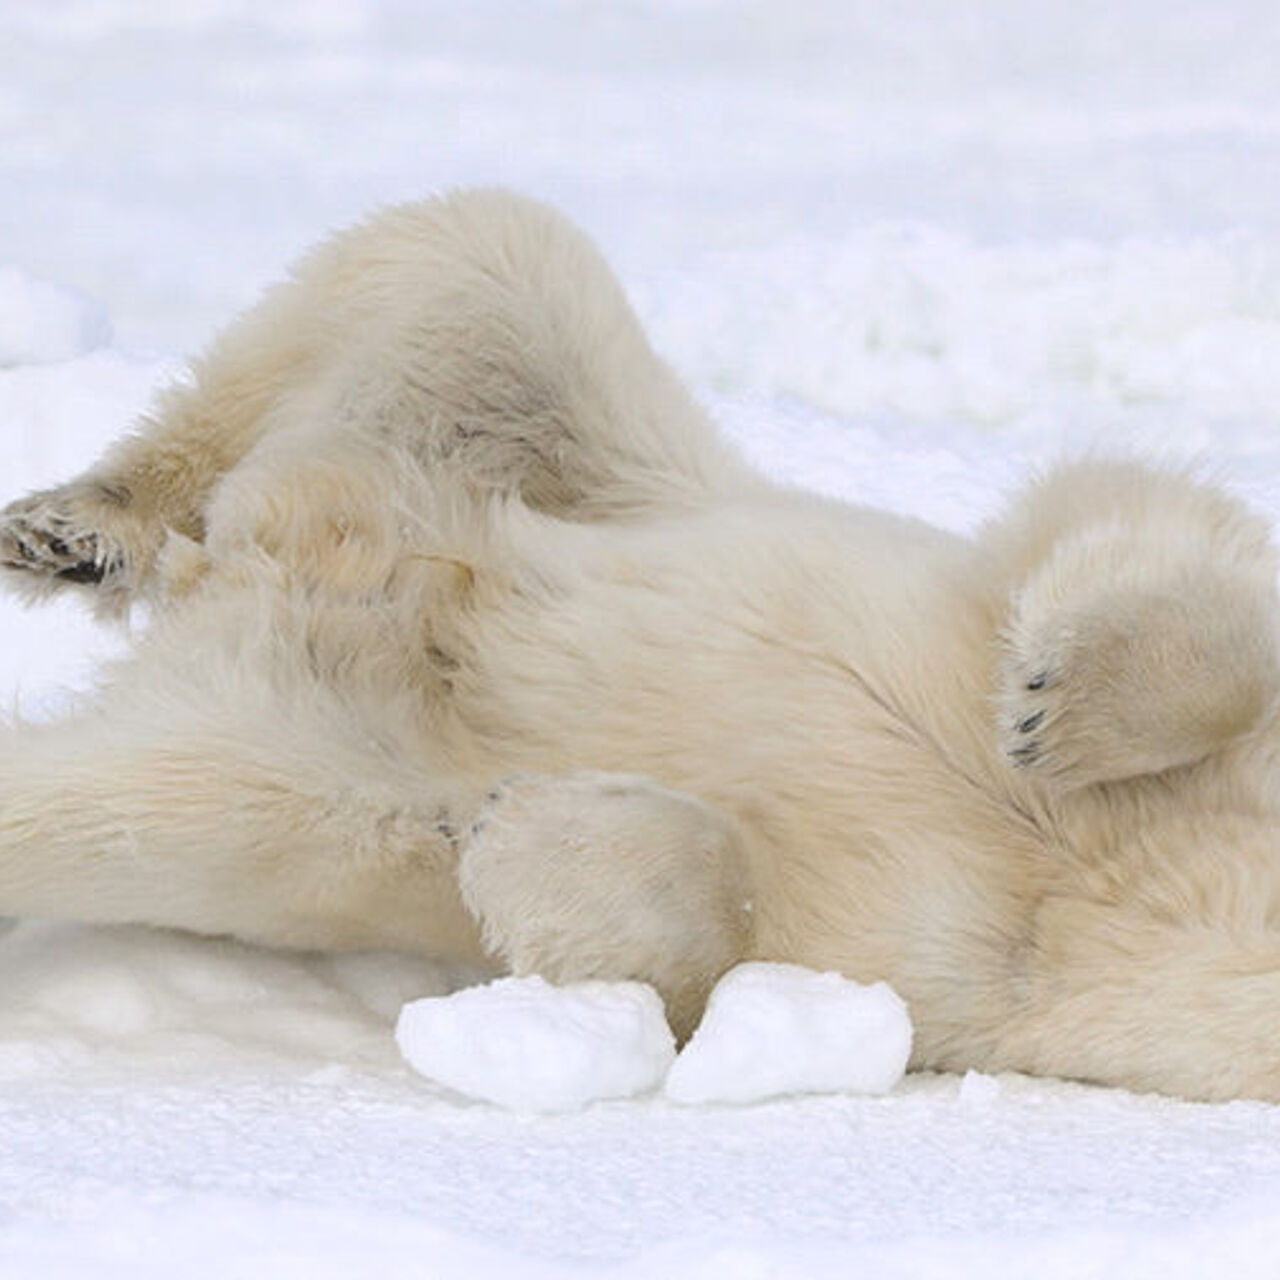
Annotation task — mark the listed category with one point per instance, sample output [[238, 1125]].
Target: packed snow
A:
[[529, 1046], [769, 1030], [904, 252], [777, 1029]]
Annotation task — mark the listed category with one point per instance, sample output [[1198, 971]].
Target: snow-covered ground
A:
[[904, 251]]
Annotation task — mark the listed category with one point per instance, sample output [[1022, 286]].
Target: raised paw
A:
[[59, 538], [1128, 684]]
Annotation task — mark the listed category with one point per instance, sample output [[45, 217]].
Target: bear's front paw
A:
[[1136, 683], [58, 538]]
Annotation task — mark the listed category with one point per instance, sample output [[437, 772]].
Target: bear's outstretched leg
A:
[[282, 824], [596, 875], [1143, 628]]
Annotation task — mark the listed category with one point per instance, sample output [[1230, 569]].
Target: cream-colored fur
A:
[[469, 635]]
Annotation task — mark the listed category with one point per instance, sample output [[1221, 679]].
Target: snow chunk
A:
[[773, 1029], [41, 323], [978, 1092], [527, 1045]]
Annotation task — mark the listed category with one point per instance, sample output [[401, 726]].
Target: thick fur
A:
[[469, 635]]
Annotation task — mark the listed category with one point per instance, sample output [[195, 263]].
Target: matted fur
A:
[[470, 636]]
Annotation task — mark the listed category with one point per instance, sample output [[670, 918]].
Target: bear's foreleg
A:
[[277, 824]]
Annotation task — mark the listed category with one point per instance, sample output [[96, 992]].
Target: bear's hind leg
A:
[[1160, 970], [480, 331], [102, 532], [1143, 630]]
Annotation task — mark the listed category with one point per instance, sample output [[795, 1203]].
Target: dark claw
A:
[[1031, 722], [86, 571], [1025, 755], [1037, 683]]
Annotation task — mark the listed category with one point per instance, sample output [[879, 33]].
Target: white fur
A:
[[434, 516]]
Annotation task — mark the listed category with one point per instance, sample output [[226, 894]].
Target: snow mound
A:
[[775, 1029], [931, 325], [529, 1046], [41, 323]]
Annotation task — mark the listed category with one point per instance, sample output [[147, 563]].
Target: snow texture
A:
[[905, 252], [776, 1029], [529, 1046], [41, 323]]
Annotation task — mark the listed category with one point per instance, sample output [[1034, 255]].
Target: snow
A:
[[904, 252], [41, 322], [777, 1029], [769, 1030], [529, 1046], [978, 1092]]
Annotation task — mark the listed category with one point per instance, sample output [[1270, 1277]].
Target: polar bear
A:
[[469, 635]]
